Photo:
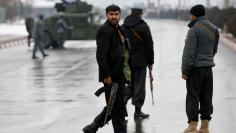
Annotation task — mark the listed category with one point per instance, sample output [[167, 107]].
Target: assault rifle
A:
[[111, 100], [151, 84]]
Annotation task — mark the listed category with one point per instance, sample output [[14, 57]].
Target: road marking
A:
[[83, 61]]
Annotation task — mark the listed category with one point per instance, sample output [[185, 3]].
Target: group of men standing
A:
[[125, 52], [35, 29]]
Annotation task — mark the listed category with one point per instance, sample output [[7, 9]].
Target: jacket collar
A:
[[192, 23], [115, 28]]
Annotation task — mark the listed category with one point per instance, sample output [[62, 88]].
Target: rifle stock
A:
[[101, 90]]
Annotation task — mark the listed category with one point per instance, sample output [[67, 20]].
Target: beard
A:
[[114, 21]]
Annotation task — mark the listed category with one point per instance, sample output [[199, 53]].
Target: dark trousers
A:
[[199, 91], [38, 45], [61, 39], [136, 89], [29, 38], [118, 112]]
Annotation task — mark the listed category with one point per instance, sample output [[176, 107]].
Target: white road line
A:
[[83, 61]]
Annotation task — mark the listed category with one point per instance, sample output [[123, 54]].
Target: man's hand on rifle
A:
[[151, 81], [185, 77], [150, 66], [107, 81]]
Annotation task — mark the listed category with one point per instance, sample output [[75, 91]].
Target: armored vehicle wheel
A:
[[48, 40]]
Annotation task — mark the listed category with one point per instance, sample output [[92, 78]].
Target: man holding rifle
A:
[[114, 71], [142, 55]]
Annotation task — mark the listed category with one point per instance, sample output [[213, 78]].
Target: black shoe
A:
[[140, 115], [34, 57], [45, 55], [89, 129]]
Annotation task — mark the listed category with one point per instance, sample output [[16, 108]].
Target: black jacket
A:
[[110, 53], [142, 53]]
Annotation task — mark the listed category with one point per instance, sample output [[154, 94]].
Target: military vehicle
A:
[[77, 14]]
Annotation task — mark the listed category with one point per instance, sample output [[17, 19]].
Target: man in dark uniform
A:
[[113, 61], [142, 55], [38, 37], [61, 28], [29, 23], [198, 59]]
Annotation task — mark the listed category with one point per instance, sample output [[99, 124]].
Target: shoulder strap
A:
[[135, 33], [207, 28]]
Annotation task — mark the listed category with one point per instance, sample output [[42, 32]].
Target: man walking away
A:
[[38, 37], [112, 57], [142, 55], [198, 59]]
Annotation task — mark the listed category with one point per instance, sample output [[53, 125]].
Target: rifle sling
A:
[[135, 34], [210, 31]]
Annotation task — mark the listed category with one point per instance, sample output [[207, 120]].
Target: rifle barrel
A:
[[151, 84]]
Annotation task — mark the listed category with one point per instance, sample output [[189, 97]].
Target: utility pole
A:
[[29, 2], [226, 3], [179, 3], [158, 3], [149, 3], [208, 3], [184, 4]]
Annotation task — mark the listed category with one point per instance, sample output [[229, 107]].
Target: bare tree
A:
[[15, 8], [5, 3]]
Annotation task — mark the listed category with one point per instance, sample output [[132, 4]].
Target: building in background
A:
[[12, 9], [43, 7], [151, 10], [2, 15]]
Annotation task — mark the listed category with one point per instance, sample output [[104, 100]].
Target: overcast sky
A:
[[173, 3]]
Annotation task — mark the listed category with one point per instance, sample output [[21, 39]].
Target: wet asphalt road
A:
[[55, 94]]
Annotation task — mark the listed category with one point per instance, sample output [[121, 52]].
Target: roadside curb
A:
[[227, 42], [18, 41]]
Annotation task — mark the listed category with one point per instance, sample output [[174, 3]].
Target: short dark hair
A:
[[136, 11], [41, 16], [112, 8], [198, 10]]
